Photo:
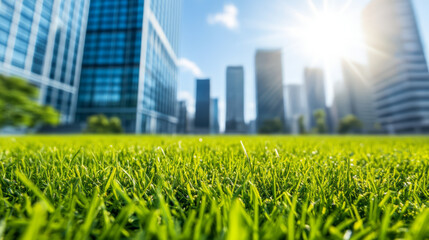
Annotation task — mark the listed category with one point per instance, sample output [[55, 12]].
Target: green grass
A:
[[107, 187]]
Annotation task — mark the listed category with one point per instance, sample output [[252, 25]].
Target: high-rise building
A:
[[315, 91], [130, 65], [42, 41], [360, 94], [202, 106], [341, 105], [269, 86], [214, 116], [295, 106], [182, 116], [397, 65], [234, 122]]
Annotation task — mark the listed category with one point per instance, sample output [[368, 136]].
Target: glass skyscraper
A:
[[295, 107], [235, 100], [202, 106], [182, 115], [315, 92], [269, 86], [359, 94], [214, 116], [42, 42], [398, 67], [130, 64]]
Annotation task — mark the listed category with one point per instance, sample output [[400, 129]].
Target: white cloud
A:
[[228, 17], [190, 101], [189, 66]]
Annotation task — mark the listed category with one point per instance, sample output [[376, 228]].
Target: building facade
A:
[[182, 117], [234, 122], [295, 106], [202, 106], [397, 65], [269, 86], [341, 105], [130, 67], [360, 95], [314, 79], [214, 116], [42, 41]]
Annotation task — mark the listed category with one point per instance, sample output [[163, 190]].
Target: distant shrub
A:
[[101, 124]]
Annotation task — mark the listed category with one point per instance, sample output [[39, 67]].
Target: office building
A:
[[269, 86], [341, 105], [182, 117], [360, 96], [397, 65], [295, 106], [130, 65], [214, 116], [202, 106], [42, 41], [315, 93], [234, 122]]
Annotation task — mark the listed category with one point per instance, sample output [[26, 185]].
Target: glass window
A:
[[3, 37], [18, 59], [2, 51]]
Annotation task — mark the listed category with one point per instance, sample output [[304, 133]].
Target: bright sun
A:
[[328, 34]]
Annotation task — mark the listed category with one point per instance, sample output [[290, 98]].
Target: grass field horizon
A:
[[214, 187]]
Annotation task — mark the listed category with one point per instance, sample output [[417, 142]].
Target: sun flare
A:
[[329, 34]]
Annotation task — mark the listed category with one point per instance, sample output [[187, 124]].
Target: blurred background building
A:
[[360, 95], [295, 106], [234, 122], [340, 106], [202, 107], [42, 41], [314, 80], [397, 64], [182, 117], [214, 116], [130, 66], [269, 87]]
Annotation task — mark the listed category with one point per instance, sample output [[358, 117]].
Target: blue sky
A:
[[218, 33]]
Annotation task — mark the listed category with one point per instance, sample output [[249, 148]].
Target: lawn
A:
[[120, 187]]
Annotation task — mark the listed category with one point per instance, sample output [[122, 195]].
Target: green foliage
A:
[[320, 117], [101, 124], [349, 124], [301, 125], [18, 107], [132, 187], [271, 126]]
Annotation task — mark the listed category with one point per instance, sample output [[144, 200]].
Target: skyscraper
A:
[[269, 86], [130, 64], [341, 105], [295, 106], [315, 91], [214, 116], [234, 122], [202, 108], [398, 68], [42, 41], [360, 96], [182, 115]]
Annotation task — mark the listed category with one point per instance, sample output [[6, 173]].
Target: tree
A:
[[320, 117], [271, 126], [301, 125], [115, 125], [101, 124], [18, 107], [349, 124]]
